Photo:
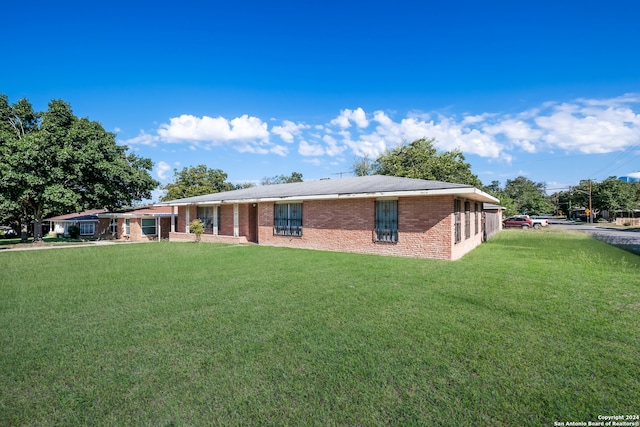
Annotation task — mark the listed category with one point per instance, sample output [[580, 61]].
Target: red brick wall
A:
[[226, 220], [102, 228], [425, 227]]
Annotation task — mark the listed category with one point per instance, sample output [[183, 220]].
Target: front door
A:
[[253, 223]]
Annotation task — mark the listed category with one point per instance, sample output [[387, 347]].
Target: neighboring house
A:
[[87, 221], [383, 215], [628, 217], [135, 224]]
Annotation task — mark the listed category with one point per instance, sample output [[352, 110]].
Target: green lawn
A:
[[528, 329]]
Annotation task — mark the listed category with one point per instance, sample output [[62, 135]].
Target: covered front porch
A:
[[225, 223]]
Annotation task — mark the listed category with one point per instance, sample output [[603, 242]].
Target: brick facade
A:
[[425, 227], [103, 229]]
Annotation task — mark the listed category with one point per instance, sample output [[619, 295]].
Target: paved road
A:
[[627, 240]]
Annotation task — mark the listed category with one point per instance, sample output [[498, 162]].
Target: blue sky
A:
[[547, 89]]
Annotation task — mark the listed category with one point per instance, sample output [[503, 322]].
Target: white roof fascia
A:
[[467, 191]]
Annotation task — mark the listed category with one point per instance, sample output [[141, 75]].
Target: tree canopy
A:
[[420, 159], [196, 181], [529, 197], [282, 179], [506, 202], [54, 162], [610, 195]]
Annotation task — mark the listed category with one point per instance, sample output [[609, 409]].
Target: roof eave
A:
[[470, 192]]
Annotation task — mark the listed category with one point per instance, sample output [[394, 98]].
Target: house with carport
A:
[[137, 224], [376, 214], [86, 221], [141, 223]]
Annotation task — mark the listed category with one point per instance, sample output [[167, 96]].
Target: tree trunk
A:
[[24, 226], [37, 224]]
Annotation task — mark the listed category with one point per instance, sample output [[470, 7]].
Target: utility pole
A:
[[588, 211], [590, 207]]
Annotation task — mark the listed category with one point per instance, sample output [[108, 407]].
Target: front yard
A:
[[528, 329]]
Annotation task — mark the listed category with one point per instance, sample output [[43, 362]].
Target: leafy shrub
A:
[[74, 231], [196, 227]]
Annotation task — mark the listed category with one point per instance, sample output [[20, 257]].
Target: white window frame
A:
[[87, 228], [113, 225], [209, 216], [143, 227]]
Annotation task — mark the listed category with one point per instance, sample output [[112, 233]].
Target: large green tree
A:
[[528, 196], [506, 202], [196, 181], [614, 195], [362, 166], [420, 159], [54, 162]]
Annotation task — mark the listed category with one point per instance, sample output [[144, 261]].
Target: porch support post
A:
[[236, 228], [215, 220], [188, 219]]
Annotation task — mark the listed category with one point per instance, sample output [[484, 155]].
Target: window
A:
[[113, 226], [457, 221], [209, 217], [287, 219], [87, 228], [476, 212], [387, 221], [127, 227], [467, 220], [148, 226]]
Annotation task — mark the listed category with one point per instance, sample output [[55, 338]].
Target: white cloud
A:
[[246, 128], [472, 119], [583, 125], [347, 116], [333, 148], [143, 139], [188, 128], [162, 168], [590, 128], [280, 150], [289, 130], [306, 149], [517, 131]]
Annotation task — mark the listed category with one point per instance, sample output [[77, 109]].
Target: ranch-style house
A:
[[376, 214]]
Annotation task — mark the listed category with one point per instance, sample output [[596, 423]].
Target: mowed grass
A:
[[528, 329]]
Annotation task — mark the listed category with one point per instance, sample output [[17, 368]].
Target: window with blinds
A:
[[386, 221], [287, 219]]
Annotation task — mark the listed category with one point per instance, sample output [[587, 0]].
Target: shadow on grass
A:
[[47, 241]]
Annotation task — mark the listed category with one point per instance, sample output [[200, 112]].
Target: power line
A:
[[615, 162]]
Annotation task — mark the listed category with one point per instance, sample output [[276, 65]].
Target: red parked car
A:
[[517, 221]]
